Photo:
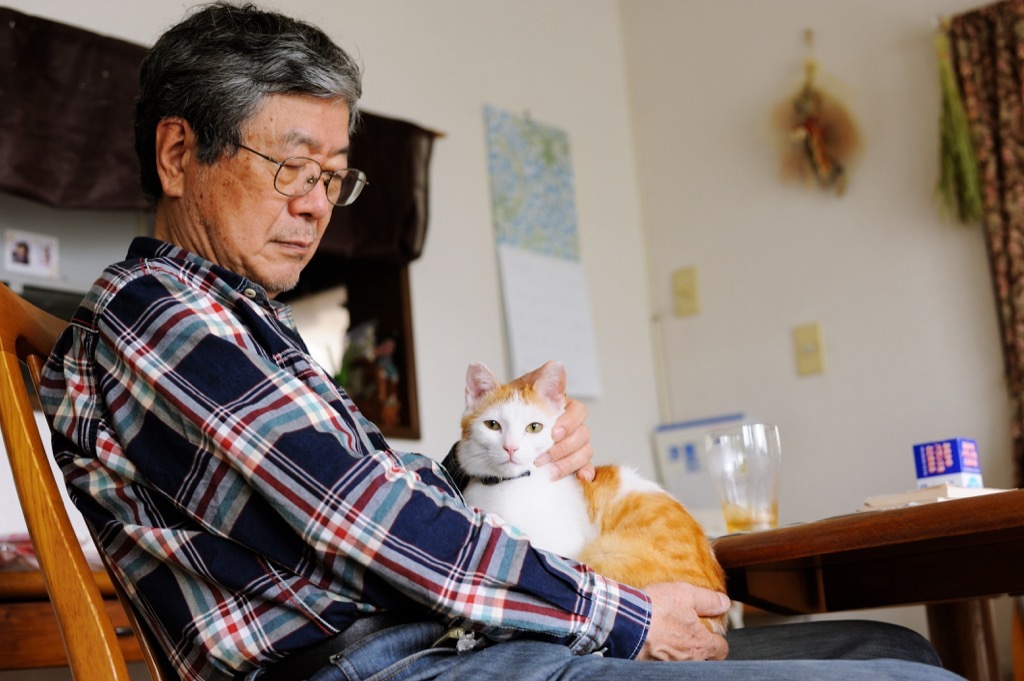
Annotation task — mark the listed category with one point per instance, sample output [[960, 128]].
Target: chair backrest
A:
[[27, 334], [160, 668]]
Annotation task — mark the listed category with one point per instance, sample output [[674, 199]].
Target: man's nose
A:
[[314, 203]]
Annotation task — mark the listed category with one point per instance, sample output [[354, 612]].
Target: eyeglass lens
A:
[[298, 176]]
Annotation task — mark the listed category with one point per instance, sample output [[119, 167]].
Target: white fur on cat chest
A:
[[528, 502]]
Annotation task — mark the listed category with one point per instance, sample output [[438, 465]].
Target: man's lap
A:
[[794, 652], [841, 639]]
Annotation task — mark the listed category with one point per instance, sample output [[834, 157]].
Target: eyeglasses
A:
[[297, 176]]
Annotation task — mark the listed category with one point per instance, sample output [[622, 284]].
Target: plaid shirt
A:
[[248, 505]]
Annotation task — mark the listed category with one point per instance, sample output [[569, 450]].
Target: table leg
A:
[[963, 634]]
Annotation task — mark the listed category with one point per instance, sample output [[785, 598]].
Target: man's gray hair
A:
[[216, 68]]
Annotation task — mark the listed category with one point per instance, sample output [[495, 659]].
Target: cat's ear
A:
[[550, 382], [479, 382]]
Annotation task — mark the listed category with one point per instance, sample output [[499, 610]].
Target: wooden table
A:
[[951, 556], [29, 636]]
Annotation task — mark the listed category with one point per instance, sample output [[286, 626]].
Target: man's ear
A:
[[174, 151]]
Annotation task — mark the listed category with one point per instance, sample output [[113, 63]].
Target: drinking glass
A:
[[744, 464]]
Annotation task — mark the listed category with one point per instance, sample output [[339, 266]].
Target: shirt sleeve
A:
[[239, 428]]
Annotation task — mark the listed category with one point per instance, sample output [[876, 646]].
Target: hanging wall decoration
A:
[[959, 185], [819, 138]]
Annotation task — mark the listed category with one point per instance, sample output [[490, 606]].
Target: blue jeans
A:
[[809, 651]]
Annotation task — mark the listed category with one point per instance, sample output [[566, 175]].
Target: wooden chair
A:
[[160, 668], [26, 336]]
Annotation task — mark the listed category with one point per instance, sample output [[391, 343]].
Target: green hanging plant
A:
[[959, 181]]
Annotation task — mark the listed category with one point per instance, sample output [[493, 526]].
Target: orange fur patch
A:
[[647, 537]]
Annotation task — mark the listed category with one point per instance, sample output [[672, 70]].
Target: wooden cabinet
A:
[[29, 637]]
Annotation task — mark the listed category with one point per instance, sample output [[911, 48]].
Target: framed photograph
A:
[[31, 253]]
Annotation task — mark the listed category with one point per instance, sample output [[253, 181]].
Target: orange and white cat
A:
[[623, 526]]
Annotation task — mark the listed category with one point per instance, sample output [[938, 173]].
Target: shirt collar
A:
[[149, 247]]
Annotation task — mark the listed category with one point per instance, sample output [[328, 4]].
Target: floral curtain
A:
[[987, 47]]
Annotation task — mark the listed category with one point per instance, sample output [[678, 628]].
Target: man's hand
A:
[[571, 451], [676, 631]]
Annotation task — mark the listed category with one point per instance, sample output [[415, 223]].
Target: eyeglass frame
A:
[[361, 176]]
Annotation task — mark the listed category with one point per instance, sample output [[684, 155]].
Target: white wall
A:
[[903, 297]]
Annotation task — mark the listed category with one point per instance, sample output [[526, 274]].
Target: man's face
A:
[[232, 215]]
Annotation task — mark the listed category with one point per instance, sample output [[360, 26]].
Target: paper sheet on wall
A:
[[542, 328], [547, 305]]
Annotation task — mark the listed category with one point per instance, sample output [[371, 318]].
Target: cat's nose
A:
[[511, 449]]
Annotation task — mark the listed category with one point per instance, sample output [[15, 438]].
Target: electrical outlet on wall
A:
[[685, 292], [809, 349]]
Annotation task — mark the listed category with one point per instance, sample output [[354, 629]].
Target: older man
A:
[[264, 528]]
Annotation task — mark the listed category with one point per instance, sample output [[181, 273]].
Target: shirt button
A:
[[249, 293]]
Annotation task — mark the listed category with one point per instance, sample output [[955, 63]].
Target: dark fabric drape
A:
[[66, 105], [987, 47], [388, 221]]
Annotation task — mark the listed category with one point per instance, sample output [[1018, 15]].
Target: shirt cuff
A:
[[620, 618]]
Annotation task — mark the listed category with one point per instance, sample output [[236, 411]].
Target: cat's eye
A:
[[534, 427], [492, 424]]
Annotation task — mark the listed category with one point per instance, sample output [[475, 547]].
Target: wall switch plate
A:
[[685, 292], [809, 348]]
